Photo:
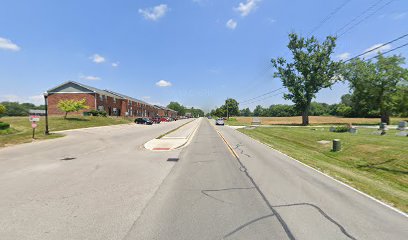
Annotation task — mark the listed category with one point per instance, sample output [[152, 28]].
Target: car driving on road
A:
[[219, 121], [145, 121]]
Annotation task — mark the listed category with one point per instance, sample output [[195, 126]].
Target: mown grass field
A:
[[375, 164], [314, 120], [20, 130]]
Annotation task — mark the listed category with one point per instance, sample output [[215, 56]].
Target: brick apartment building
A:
[[165, 112], [115, 104]]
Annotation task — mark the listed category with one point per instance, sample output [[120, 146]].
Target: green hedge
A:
[[4, 125], [96, 113]]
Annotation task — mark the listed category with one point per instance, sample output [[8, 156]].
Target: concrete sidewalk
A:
[[176, 139]]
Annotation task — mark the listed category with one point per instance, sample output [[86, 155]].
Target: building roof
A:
[[69, 87], [76, 87], [127, 97], [165, 108]]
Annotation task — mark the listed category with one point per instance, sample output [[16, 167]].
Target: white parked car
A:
[[219, 121]]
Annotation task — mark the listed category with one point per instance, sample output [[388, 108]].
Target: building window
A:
[[101, 98], [114, 100]]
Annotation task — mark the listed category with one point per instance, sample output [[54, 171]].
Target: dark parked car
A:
[[156, 120], [143, 121]]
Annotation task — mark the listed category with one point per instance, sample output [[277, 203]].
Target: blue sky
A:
[[197, 52]]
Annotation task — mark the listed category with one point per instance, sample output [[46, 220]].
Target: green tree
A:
[[374, 84], [310, 71], [246, 112], [2, 109], [401, 101], [69, 105], [231, 107], [15, 109], [259, 111], [177, 107]]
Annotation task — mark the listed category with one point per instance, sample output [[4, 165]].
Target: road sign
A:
[[34, 125], [34, 118]]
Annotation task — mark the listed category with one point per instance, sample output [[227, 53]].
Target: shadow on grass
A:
[[376, 166], [76, 119]]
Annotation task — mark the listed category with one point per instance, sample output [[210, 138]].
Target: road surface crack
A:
[[246, 225], [237, 147], [342, 229], [206, 192]]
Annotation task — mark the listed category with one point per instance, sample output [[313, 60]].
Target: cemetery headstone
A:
[[256, 121], [402, 125], [383, 126]]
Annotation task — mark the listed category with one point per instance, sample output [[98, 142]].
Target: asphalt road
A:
[[110, 187], [97, 192], [209, 194]]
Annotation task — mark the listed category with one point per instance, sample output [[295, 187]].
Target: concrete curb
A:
[[172, 143]]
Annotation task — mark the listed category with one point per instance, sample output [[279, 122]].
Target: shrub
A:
[[2, 109], [341, 129], [97, 113], [4, 125]]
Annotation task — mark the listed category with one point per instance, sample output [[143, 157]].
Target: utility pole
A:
[[226, 103]]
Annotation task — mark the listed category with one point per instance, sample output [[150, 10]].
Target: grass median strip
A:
[[374, 164], [173, 130]]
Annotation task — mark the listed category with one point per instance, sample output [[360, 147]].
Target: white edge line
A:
[[336, 180]]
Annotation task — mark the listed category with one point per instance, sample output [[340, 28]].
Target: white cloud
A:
[[154, 13], [399, 16], [271, 20], [343, 56], [231, 24], [36, 99], [90, 78], [163, 83], [96, 58], [115, 64], [381, 49], [146, 97], [8, 45], [247, 8]]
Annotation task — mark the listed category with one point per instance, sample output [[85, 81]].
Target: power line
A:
[[391, 50], [248, 100], [263, 98], [357, 17], [327, 18], [367, 17], [382, 45]]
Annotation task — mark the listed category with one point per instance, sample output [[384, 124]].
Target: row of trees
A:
[[182, 110], [230, 108], [18, 109], [377, 88]]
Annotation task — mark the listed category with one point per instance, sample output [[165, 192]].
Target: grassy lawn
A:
[[314, 120], [20, 130], [377, 165]]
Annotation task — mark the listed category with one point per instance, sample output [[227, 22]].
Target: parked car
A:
[[219, 121], [145, 121], [156, 120], [164, 119]]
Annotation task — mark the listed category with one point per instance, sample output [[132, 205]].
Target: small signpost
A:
[[34, 119]]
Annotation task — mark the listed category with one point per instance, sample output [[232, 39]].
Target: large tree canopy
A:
[[377, 86], [181, 110], [310, 70]]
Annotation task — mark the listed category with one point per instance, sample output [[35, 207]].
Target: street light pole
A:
[[46, 113], [226, 103]]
